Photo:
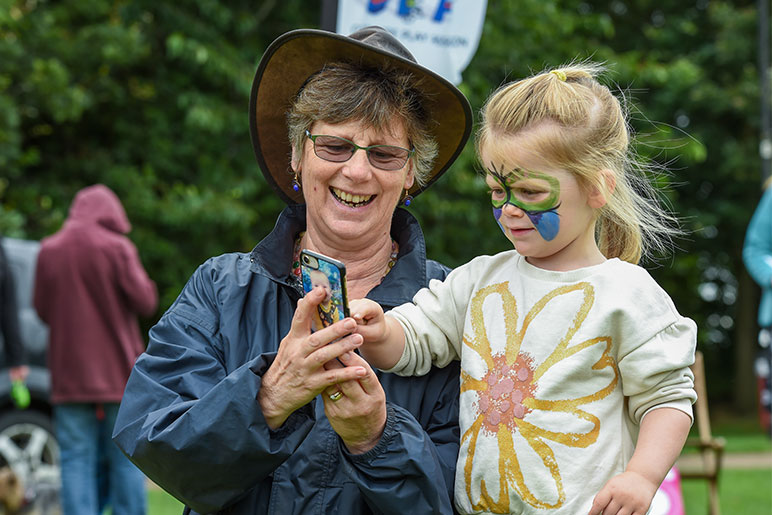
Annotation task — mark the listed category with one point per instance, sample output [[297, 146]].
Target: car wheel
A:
[[29, 447]]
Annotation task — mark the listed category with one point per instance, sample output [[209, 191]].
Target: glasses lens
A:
[[338, 150], [387, 157], [333, 148]]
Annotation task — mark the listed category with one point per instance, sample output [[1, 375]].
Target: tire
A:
[[28, 445]]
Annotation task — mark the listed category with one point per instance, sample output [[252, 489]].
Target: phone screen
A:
[[319, 270]]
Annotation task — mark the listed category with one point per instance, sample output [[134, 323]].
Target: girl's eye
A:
[[497, 193], [526, 193]]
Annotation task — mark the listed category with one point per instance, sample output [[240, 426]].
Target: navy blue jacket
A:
[[190, 419]]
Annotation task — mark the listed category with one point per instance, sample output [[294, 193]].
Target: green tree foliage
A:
[[151, 99]]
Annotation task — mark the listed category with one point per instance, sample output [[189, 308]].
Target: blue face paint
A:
[[547, 223], [497, 215]]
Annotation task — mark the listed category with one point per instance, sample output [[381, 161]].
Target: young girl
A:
[[570, 352]]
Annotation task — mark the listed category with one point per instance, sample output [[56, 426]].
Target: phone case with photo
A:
[[319, 270]]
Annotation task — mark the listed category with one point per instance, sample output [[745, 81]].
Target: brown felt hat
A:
[[295, 55]]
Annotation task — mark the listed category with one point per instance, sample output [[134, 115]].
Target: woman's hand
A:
[[356, 408], [297, 375]]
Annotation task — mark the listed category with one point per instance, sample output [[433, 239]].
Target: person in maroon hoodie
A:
[[90, 287]]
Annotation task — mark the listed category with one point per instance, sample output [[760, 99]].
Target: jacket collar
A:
[[273, 255]]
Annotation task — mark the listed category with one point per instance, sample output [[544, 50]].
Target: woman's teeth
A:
[[351, 200]]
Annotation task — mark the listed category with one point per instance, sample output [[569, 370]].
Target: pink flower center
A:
[[508, 387]]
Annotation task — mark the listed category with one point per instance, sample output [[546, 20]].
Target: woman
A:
[[224, 409]]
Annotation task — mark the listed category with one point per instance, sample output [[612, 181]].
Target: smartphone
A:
[[319, 270]]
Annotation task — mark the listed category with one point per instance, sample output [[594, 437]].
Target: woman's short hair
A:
[[342, 92]]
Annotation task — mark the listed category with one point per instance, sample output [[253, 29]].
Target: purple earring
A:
[[295, 183]]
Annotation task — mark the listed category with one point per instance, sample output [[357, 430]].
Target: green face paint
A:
[[541, 193]]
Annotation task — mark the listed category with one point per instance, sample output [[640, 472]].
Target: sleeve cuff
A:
[[382, 445], [684, 405]]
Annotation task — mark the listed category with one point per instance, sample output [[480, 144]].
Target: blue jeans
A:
[[94, 471]]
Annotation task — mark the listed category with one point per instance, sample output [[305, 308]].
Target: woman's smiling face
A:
[[352, 199]]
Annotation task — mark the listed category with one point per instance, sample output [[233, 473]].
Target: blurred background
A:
[[150, 98]]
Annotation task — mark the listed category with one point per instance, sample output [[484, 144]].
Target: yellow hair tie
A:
[[559, 74]]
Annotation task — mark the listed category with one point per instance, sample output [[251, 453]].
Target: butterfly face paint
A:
[[535, 193]]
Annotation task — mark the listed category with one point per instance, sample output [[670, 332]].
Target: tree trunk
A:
[[745, 336]]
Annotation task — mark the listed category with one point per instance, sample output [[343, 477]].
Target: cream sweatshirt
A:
[[557, 371]]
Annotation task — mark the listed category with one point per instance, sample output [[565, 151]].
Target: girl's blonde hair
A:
[[571, 121]]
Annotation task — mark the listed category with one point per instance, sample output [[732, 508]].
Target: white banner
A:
[[441, 34]]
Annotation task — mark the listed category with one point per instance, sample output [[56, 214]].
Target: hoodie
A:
[[90, 287]]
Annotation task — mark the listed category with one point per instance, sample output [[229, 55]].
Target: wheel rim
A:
[[32, 452]]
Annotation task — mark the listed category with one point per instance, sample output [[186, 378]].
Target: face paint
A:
[[540, 204]]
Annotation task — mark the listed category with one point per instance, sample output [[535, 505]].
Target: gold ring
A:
[[335, 397]]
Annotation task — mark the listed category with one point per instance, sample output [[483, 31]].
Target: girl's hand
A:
[[628, 493], [371, 323], [297, 374], [384, 339], [660, 440]]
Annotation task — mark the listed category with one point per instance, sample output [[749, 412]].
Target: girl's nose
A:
[[512, 210]]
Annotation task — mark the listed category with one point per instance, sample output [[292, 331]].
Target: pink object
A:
[[669, 500]]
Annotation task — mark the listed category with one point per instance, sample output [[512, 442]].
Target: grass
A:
[[746, 492], [742, 433], [161, 503]]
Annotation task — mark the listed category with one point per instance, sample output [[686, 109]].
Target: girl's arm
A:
[[384, 338], [661, 438]]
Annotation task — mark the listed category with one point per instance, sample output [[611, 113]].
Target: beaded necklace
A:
[[296, 258]]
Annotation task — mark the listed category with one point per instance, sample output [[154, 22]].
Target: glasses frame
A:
[[367, 150]]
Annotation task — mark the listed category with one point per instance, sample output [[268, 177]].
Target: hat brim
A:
[[294, 56]]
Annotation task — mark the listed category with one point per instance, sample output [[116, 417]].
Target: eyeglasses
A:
[[340, 150]]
